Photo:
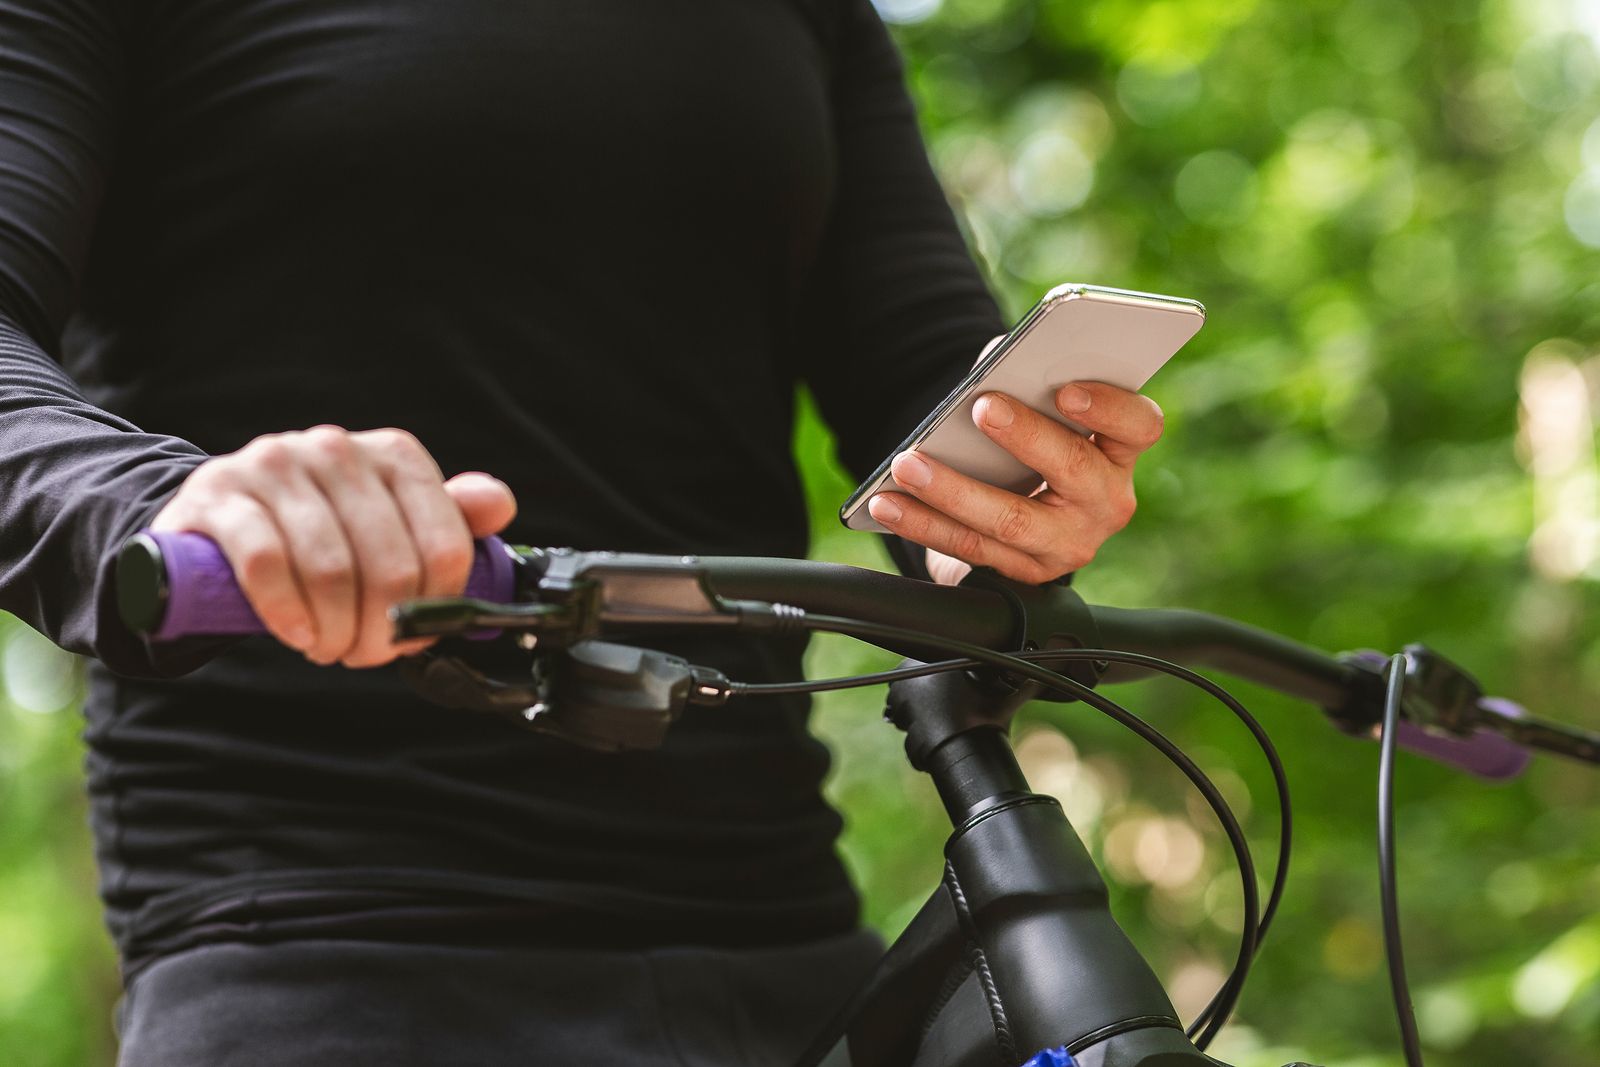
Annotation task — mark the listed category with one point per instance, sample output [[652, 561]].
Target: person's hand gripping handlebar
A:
[[327, 529]]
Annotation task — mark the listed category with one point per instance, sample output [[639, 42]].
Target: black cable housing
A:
[[1222, 1005], [1386, 876]]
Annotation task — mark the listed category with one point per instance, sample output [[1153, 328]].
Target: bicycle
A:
[[1015, 958]]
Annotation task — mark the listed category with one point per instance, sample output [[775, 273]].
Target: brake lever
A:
[[461, 616], [594, 694], [576, 596], [1447, 717], [1438, 694], [451, 682]]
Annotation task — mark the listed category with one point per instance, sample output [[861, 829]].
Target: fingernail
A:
[[301, 637], [996, 412], [884, 509], [1073, 399], [911, 470]]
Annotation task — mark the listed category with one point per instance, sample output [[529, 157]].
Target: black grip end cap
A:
[[141, 584]]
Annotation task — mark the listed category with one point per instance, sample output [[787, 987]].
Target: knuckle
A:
[[329, 443], [396, 445], [214, 476], [259, 565], [1015, 523], [327, 576], [272, 454], [967, 544], [399, 581], [450, 558], [1039, 432], [1123, 505], [1078, 460]]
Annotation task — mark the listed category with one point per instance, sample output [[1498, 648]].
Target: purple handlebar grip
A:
[[202, 597], [1485, 754]]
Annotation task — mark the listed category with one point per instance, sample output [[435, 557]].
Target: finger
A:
[[483, 505], [323, 559], [1124, 424], [1070, 463], [910, 518], [988, 348], [442, 542], [386, 564], [1005, 516], [438, 531], [486, 502], [439, 535], [255, 549]]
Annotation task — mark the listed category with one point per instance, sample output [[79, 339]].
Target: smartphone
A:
[[1076, 333]]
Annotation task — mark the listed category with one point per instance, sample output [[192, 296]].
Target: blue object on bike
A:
[[1052, 1057]]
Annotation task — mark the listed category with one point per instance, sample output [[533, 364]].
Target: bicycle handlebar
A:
[[174, 585]]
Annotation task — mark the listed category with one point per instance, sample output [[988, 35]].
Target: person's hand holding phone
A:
[[1086, 497], [327, 528]]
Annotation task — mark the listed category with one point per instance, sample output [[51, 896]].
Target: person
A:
[[292, 275]]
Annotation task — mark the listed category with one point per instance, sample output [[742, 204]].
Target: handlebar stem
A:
[[1028, 894]]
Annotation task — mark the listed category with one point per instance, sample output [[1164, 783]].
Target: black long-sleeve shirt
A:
[[591, 248]]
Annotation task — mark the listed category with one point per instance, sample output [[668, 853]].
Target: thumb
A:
[[485, 502]]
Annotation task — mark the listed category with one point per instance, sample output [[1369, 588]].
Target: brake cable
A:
[[1216, 1012], [1225, 999], [1221, 1005]]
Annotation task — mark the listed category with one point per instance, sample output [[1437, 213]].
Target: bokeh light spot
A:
[[1557, 71], [1051, 174], [1352, 949], [1376, 38], [1581, 207], [1413, 267], [1050, 763], [1446, 1018], [1557, 438], [1192, 985], [1327, 162], [1546, 984], [1216, 188], [39, 677], [1169, 853], [1156, 94], [907, 11], [1078, 115]]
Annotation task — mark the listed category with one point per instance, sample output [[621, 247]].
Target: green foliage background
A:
[[1384, 434]]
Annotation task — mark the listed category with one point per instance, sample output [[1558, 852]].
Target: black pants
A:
[[354, 1003]]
